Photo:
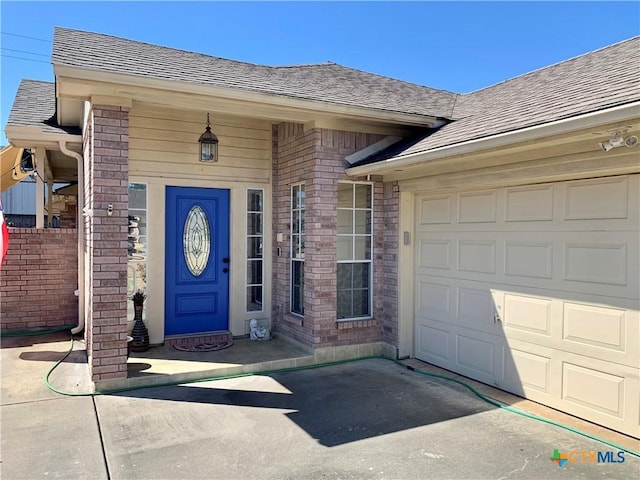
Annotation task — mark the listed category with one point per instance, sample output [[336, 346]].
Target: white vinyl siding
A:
[[164, 142]]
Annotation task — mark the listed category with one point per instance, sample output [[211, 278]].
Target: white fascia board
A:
[[377, 115], [32, 136], [595, 119]]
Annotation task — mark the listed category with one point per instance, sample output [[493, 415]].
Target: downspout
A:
[[80, 228]]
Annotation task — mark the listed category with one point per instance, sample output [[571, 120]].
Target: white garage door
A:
[[535, 289]]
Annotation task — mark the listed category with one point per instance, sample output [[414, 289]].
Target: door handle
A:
[[226, 260], [225, 270]]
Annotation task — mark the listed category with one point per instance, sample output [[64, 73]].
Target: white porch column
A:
[[41, 155], [49, 202]]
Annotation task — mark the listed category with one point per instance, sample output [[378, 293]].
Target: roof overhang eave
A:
[[242, 95], [589, 120], [31, 136]]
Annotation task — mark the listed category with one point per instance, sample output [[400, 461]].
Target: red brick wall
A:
[[316, 157], [38, 279], [107, 183]]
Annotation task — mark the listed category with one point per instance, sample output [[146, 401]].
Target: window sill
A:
[[356, 323], [293, 319]]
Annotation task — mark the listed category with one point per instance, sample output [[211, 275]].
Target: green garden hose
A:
[[408, 367], [30, 333]]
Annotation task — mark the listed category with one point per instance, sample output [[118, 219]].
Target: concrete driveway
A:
[[367, 419]]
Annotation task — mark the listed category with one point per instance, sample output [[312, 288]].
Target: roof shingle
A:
[[35, 105], [330, 83], [595, 81]]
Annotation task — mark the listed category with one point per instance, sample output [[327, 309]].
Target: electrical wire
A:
[[22, 58], [486, 399], [25, 36], [24, 51]]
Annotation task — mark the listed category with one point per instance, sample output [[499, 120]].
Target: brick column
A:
[[292, 153], [389, 264], [107, 184]]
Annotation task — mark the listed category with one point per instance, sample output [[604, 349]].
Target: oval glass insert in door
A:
[[196, 240]]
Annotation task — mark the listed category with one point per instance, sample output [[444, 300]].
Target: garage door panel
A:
[[536, 290], [528, 259], [434, 253], [433, 300], [593, 389], [476, 354], [527, 313], [584, 199], [435, 210], [598, 263], [475, 308], [530, 203], [580, 326], [602, 332], [435, 344], [604, 328], [601, 391], [477, 256], [478, 207], [525, 371], [595, 262]]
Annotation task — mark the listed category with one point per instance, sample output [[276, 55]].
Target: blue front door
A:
[[196, 260]]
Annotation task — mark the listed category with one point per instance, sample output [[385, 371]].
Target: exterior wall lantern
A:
[[208, 145]]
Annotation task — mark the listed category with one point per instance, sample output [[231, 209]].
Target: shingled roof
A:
[[35, 105], [328, 82], [589, 83]]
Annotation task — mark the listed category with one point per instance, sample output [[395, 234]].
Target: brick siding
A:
[[316, 157], [106, 183], [391, 209], [38, 279]]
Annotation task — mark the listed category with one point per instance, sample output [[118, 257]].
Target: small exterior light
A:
[[208, 145]]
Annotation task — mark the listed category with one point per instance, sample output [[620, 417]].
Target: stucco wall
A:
[[38, 279]]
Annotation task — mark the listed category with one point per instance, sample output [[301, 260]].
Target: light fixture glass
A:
[[208, 145]]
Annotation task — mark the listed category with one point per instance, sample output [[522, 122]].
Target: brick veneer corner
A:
[[317, 158], [106, 183]]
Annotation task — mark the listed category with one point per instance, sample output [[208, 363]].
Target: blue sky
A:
[[456, 46]]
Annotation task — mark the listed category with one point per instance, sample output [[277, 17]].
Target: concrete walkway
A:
[[364, 419]]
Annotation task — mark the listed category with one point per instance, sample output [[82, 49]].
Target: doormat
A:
[[204, 347]]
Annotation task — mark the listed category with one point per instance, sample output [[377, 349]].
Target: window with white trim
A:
[[354, 250], [137, 243], [255, 241], [297, 248]]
